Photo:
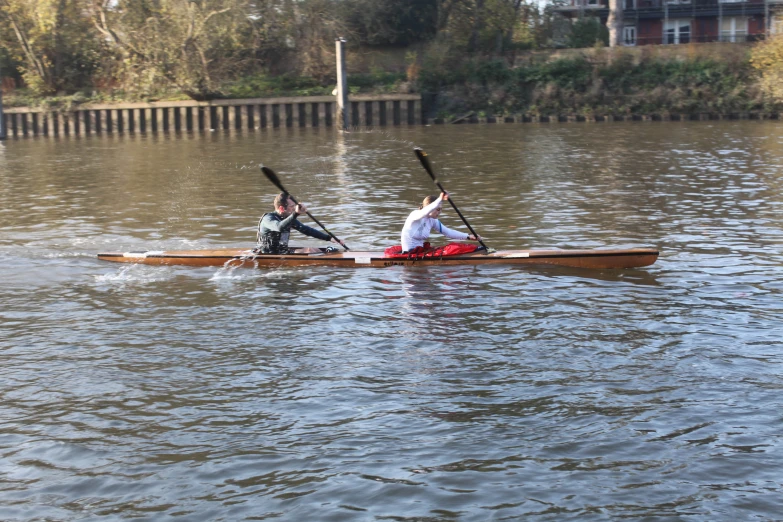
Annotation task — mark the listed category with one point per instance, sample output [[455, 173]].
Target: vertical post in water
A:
[[342, 85], [767, 21], [2, 118]]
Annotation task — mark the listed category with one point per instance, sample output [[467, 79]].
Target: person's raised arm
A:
[[423, 212]]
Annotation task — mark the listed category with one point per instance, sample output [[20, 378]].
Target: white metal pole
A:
[[342, 85], [767, 21], [2, 118]]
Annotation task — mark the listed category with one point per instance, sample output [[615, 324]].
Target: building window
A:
[[677, 32], [734, 29], [593, 2], [629, 4], [731, 1], [676, 2], [629, 35]]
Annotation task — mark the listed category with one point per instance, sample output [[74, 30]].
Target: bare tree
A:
[[47, 35], [317, 23], [191, 45]]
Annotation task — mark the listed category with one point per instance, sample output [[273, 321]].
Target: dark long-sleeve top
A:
[[274, 232]]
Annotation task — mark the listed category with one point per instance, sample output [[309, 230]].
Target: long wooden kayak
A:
[[235, 257]]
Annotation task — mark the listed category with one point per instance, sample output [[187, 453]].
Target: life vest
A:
[[270, 241]]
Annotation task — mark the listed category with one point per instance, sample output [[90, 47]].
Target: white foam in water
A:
[[59, 255], [136, 274], [227, 272], [236, 272], [233, 271]]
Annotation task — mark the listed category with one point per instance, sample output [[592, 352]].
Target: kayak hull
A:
[[235, 257]]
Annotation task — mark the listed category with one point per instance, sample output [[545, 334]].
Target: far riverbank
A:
[[622, 83], [677, 83], [271, 113]]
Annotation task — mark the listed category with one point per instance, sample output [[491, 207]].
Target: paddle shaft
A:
[[318, 222], [271, 176], [425, 162]]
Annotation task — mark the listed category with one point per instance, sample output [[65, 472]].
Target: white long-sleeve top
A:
[[419, 225]]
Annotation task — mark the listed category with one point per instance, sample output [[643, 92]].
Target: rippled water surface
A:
[[462, 393]]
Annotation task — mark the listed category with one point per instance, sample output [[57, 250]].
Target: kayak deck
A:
[[236, 257]]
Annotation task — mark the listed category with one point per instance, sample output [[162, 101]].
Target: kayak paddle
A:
[[271, 176], [425, 162]]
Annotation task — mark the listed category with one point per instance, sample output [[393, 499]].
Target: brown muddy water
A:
[[462, 393]]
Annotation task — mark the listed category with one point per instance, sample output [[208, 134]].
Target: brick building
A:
[[653, 22]]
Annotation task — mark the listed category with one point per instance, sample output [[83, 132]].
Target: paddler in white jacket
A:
[[425, 220]]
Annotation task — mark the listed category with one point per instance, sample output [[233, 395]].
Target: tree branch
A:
[[34, 63]]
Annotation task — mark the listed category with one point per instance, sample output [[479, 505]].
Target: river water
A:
[[461, 393]]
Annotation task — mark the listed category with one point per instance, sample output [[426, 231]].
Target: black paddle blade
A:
[[271, 176], [425, 162]]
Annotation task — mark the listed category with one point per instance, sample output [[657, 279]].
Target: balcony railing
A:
[[587, 5], [681, 40]]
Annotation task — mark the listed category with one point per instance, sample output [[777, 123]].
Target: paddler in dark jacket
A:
[[274, 228]]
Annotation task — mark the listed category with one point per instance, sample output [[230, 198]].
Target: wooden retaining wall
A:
[[524, 118], [263, 113], [257, 113]]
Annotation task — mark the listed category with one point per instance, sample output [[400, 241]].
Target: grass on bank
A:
[[256, 86]]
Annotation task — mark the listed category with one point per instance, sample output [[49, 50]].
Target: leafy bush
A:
[[258, 86], [587, 32], [376, 80], [767, 59], [574, 73], [589, 86], [492, 71]]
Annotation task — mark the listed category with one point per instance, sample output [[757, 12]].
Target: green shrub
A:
[[767, 59], [376, 81], [259, 86], [587, 32], [579, 85]]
